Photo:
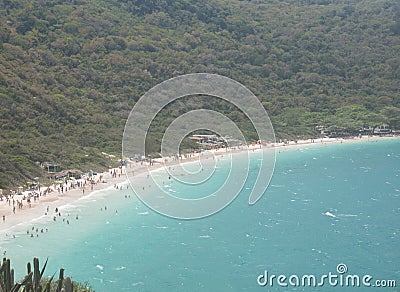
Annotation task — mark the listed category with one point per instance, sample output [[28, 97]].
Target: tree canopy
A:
[[71, 71]]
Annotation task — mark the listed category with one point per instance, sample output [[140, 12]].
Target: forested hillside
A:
[[71, 71]]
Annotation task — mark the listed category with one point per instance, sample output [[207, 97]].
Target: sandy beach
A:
[[46, 205]]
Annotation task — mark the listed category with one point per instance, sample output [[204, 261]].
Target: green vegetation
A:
[[34, 280], [71, 71]]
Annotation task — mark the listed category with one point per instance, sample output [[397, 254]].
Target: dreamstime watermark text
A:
[[340, 278]]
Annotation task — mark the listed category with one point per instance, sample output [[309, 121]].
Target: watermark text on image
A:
[[340, 278]]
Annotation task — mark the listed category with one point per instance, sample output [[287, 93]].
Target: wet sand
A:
[[54, 200]]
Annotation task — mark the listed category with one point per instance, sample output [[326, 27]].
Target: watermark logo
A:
[[340, 278], [341, 268], [211, 85]]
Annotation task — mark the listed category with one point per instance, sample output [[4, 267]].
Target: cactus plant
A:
[[68, 284], [12, 277], [33, 281], [8, 276], [17, 286], [36, 275], [60, 280]]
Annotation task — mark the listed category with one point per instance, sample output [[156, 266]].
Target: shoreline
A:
[[44, 207], [332, 141]]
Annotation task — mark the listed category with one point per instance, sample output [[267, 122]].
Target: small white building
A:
[[382, 129]]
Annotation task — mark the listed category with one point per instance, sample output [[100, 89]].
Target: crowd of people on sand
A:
[[35, 231], [19, 200]]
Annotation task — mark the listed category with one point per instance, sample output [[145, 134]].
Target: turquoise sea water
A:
[[326, 205]]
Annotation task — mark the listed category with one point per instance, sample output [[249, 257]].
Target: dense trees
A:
[[70, 71]]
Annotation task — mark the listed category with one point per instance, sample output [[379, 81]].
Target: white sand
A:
[[56, 200]]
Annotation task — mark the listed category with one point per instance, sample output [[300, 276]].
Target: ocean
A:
[[331, 210]]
